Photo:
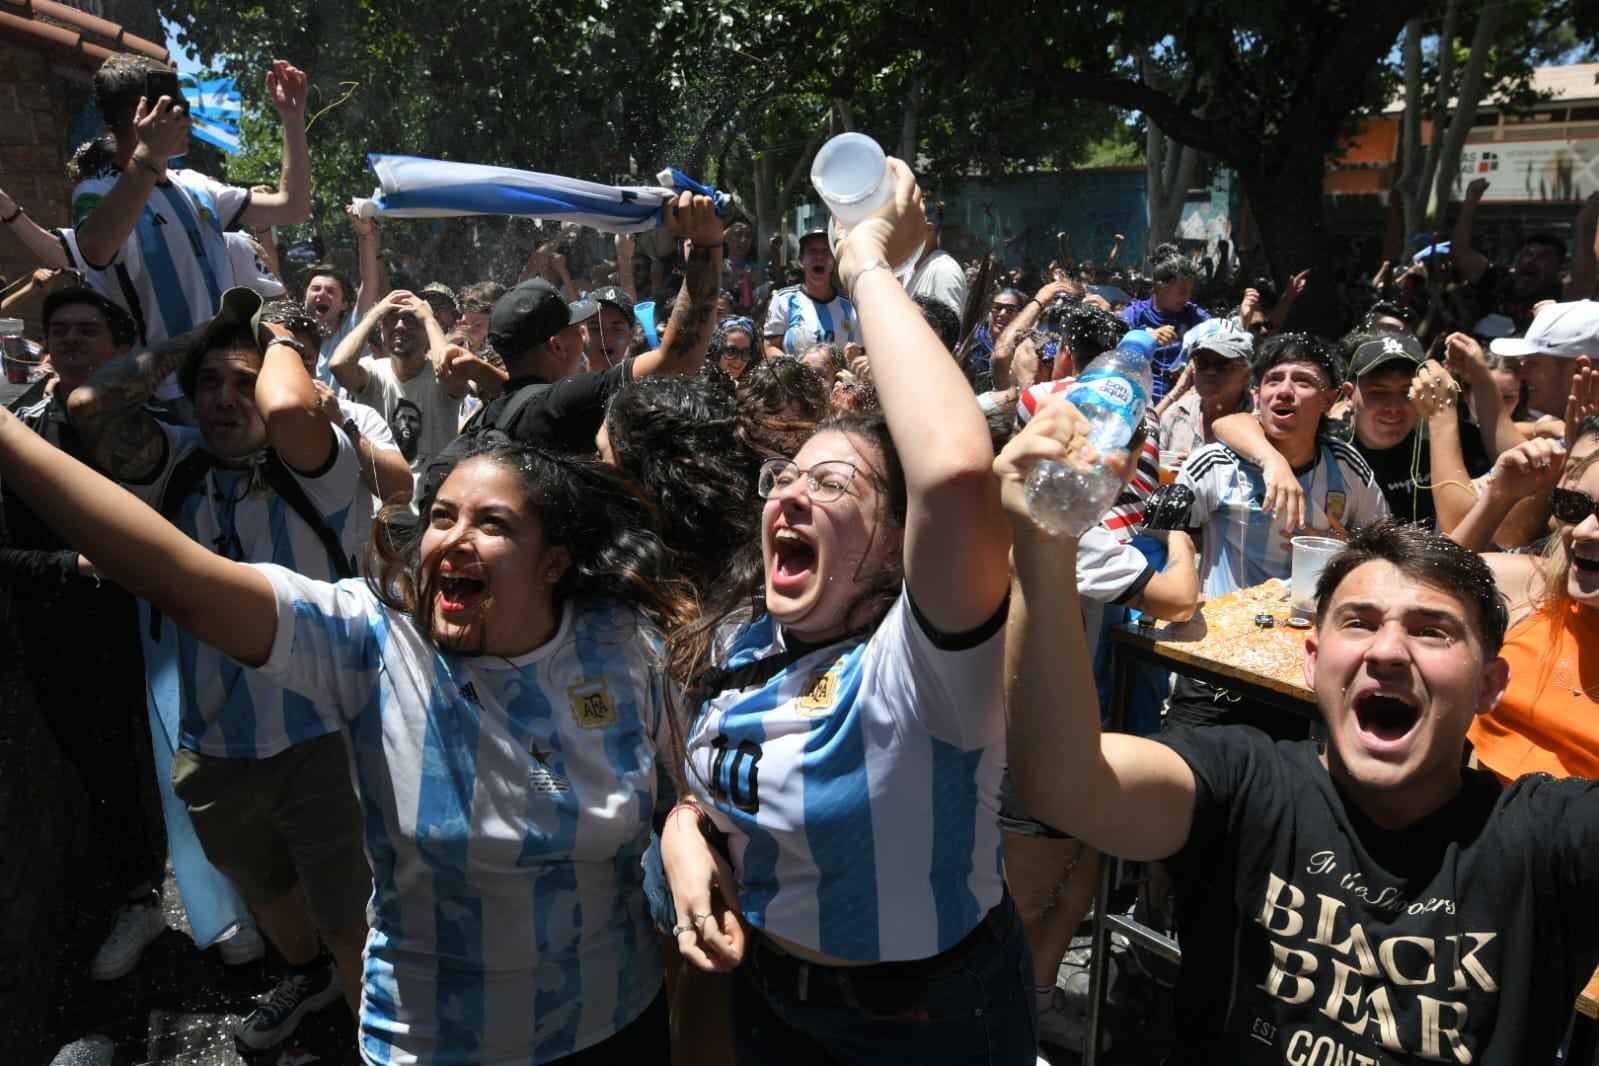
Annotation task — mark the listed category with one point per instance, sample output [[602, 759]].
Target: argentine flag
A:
[[215, 108], [409, 187]]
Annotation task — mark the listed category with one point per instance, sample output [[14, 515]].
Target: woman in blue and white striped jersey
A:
[[500, 679], [846, 738]]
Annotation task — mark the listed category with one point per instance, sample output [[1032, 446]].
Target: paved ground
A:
[[179, 1007]]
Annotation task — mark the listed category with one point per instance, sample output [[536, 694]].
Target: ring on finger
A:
[[679, 930], [698, 919]]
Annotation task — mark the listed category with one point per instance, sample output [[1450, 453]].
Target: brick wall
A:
[[39, 101]]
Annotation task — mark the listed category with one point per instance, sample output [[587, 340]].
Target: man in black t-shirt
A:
[[1368, 903], [1387, 430], [547, 400]]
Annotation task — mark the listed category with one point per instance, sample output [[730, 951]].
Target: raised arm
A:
[[108, 410], [161, 130], [345, 362], [374, 283], [1470, 264], [226, 604], [1584, 283], [38, 240], [1123, 795], [1433, 394], [955, 535], [688, 333], [289, 403], [1466, 359], [291, 203], [1530, 469]]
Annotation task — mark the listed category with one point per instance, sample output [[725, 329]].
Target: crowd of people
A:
[[662, 663]]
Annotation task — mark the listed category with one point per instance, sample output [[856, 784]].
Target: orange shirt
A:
[[1548, 721]]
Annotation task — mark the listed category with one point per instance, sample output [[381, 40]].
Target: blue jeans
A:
[[971, 1005]]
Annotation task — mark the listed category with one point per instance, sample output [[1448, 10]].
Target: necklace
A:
[[1565, 675]]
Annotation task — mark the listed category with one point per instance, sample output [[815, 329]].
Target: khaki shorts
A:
[[269, 824]]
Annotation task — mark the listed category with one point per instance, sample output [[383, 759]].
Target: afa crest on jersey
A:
[[592, 705]]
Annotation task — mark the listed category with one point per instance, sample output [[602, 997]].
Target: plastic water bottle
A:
[[1111, 394], [850, 174]]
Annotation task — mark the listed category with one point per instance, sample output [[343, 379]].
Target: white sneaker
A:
[[243, 945], [136, 926]]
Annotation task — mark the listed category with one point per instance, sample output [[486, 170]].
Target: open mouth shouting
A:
[[793, 561], [1385, 719], [461, 591]]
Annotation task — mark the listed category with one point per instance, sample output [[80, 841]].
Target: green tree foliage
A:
[[614, 89]]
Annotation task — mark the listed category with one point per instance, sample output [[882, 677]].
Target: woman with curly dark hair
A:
[[780, 403], [681, 440], [499, 676]]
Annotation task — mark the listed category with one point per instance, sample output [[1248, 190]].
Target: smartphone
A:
[[159, 83]]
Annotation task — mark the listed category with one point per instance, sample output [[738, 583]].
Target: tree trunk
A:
[[1171, 169], [1285, 193], [1473, 83], [1412, 160], [907, 129]]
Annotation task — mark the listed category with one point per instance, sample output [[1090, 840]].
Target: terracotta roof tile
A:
[[72, 34]]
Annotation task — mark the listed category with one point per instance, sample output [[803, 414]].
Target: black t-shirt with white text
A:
[[1310, 935]]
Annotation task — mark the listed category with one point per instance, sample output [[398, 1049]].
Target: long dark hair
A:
[[593, 511], [679, 438]]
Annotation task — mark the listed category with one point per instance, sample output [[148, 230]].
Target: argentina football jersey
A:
[[1242, 545], [507, 805], [859, 788], [220, 708]]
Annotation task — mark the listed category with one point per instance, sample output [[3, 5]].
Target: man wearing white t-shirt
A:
[[938, 274], [159, 230], [418, 383]]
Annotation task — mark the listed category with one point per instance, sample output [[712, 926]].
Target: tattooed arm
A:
[[108, 410], [688, 334]]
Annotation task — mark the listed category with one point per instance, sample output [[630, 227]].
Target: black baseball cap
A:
[[527, 316], [1401, 350], [617, 298], [123, 328], [811, 235]]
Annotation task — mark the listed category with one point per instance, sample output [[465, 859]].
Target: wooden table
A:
[[1224, 646]]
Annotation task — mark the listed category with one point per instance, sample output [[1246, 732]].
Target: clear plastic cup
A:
[[850, 174], [1311, 555]]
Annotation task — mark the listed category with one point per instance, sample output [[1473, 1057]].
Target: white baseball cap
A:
[[1566, 329]]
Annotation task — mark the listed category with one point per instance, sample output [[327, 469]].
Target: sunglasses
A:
[[1216, 365], [1007, 309], [731, 352], [1570, 506]]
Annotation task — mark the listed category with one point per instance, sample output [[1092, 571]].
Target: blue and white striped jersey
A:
[[802, 321], [1242, 547], [221, 708], [859, 788], [507, 806], [173, 267]]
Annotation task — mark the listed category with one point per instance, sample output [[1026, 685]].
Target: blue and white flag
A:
[[224, 135], [409, 187], [215, 108], [214, 99]]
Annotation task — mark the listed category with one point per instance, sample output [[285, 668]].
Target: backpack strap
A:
[[286, 485]]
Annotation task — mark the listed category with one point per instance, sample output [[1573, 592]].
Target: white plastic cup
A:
[[850, 174], [1311, 555]]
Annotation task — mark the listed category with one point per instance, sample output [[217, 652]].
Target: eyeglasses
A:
[[1004, 309], [825, 482], [1570, 506]]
